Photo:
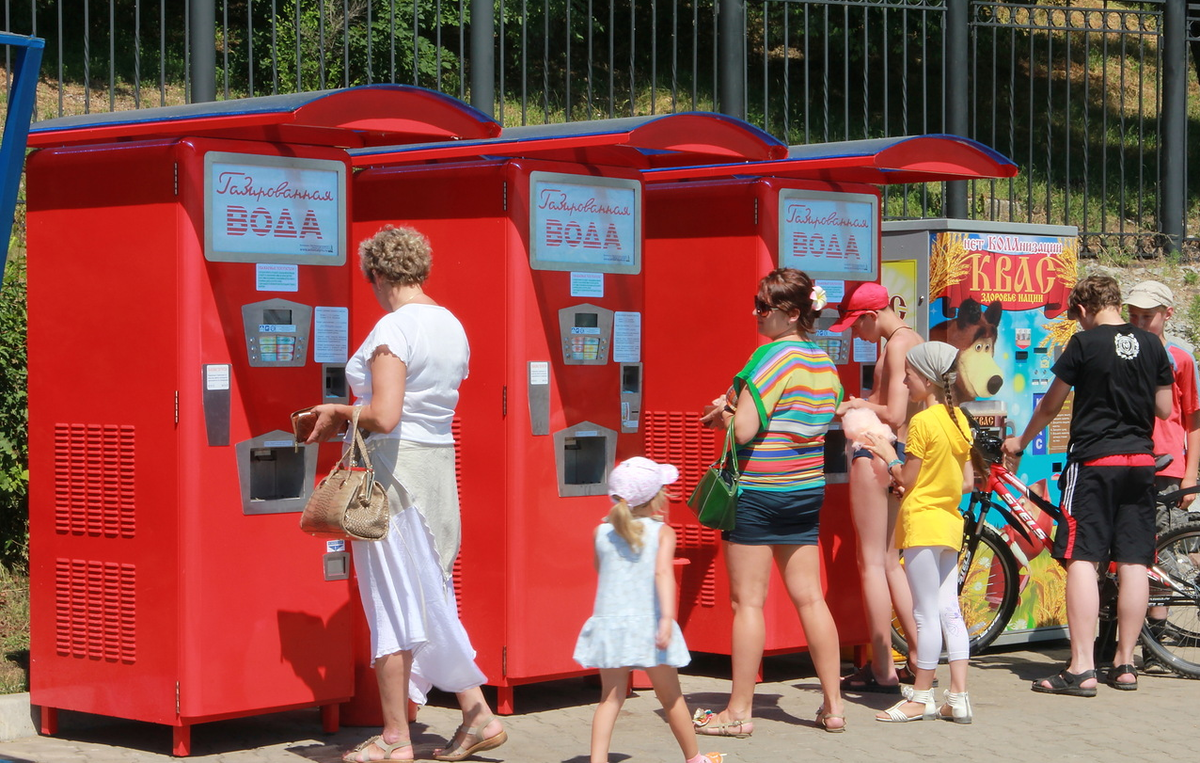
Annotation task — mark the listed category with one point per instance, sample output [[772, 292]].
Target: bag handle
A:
[[728, 459], [357, 452]]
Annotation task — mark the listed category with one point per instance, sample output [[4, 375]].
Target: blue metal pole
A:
[[26, 64]]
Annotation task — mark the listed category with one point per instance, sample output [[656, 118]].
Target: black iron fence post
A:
[[202, 17], [957, 97], [731, 57], [1172, 181], [483, 56]]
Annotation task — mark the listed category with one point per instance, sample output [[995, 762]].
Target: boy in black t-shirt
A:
[[1122, 380]]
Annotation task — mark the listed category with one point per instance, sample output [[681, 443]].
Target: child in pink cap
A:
[[633, 623]]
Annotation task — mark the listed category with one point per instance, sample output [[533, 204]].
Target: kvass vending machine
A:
[[998, 292]]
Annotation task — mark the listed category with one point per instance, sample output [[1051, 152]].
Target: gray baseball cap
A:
[[1150, 294]]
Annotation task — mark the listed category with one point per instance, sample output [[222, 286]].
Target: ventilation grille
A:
[[93, 480], [456, 569], [96, 610], [676, 438]]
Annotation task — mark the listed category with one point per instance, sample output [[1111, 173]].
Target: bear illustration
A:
[[973, 330]]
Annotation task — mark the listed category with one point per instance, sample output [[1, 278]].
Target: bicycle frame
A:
[[1002, 482]]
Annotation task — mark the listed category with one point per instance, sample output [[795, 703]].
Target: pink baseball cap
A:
[[862, 298], [638, 480]]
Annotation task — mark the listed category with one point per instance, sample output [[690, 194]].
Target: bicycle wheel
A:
[[1176, 642], [987, 594]]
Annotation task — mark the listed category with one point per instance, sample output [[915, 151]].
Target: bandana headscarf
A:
[[933, 359]]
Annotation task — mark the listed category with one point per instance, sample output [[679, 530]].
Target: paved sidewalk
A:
[[1158, 722]]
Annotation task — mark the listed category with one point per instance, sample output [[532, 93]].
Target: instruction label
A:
[[627, 337], [216, 377], [269, 277], [331, 334], [587, 284]]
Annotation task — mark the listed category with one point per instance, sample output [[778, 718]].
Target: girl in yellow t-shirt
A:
[[933, 478]]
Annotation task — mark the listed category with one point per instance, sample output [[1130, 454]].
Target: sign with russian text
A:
[[1020, 272], [585, 224], [829, 235], [274, 209]]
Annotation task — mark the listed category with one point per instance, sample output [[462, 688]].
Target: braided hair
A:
[[949, 377]]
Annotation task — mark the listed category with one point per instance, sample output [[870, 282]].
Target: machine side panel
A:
[[103, 325]]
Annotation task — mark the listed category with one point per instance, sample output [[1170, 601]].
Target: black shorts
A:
[[1108, 514]]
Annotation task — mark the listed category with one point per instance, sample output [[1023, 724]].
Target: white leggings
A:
[[933, 577]]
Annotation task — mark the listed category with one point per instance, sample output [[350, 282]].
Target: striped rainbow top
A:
[[796, 389]]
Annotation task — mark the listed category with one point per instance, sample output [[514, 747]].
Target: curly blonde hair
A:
[[396, 255]]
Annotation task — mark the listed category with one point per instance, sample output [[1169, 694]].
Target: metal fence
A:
[[1073, 90]]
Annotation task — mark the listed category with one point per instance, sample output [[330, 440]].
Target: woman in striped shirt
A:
[[786, 398]]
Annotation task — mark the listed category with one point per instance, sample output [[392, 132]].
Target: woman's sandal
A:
[[703, 722], [1116, 671], [388, 749], [823, 719], [1066, 682], [467, 741], [863, 680]]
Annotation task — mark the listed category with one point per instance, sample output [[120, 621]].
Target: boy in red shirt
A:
[[1151, 304]]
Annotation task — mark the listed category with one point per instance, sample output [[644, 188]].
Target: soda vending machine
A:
[[711, 233], [188, 289], [537, 241], [998, 292]]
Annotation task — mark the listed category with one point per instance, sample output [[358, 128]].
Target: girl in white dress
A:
[[633, 623]]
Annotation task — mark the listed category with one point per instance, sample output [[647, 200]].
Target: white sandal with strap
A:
[[919, 696]]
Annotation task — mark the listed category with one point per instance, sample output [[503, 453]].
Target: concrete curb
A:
[[16, 717]]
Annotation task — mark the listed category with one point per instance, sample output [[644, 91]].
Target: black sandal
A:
[[1066, 682], [863, 680], [1119, 670]]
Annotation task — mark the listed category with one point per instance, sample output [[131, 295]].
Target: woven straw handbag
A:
[[348, 503]]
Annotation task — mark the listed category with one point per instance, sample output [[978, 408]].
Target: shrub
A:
[[14, 419]]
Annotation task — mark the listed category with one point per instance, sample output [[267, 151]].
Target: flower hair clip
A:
[[819, 298]]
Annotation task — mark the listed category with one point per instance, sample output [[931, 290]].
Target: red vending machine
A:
[[188, 289], [537, 240], [711, 234]]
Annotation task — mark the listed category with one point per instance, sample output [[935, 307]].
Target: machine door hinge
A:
[[176, 698], [756, 211], [176, 406], [505, 199], [504, 660], [176, 178], [504, 400]]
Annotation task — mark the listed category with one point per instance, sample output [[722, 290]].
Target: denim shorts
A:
[[777, 518]]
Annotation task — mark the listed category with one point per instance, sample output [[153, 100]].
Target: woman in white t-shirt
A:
[[405, 378]]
